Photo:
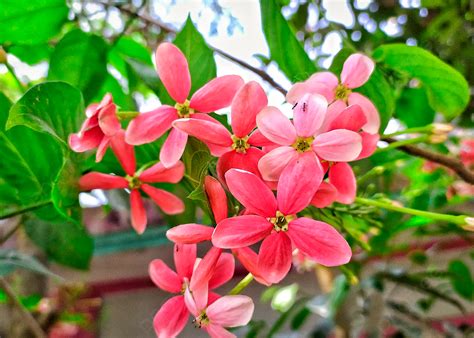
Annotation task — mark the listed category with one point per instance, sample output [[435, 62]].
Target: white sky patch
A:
[[338, 11]]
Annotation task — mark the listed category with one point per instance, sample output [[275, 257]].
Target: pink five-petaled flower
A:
[[227, 311], [136, 181], [239, 149], [355, 72], [173, 71], [275, 221], [100, 125], [303, 137], [214, 270]]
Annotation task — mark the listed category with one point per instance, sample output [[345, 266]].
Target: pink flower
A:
[[173, 71], [467, 152], [239, 149], [303, 137], [136, 181], [100, 125], [227, 311], [275, 221], [355, 72], [214, 270]]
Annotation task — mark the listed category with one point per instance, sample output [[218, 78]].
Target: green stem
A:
[[461, 219], [26, 209], [402, 143], [426, 130], [21, 86], [127, 115], [241, 285]]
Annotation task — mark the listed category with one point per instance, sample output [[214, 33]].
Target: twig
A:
[[10, 233], [26, 209], [450, 162], [27, 316]]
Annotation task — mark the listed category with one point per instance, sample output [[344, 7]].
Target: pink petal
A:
[[351, 118], [240, 231], [205, 131], [173, 148], [338, 145], [125, 152], [173, 71], [203, 272], [190, 233], [325, 195], [102, 148], [138, 213], [356, 70], [333, 111], [372, 115], [298, 183], [92, 109], [216, 94], [274, 260], [171, 319], [169, 203], [258, 140], [249, 260], [342, 178], [322, 83], [184, 259], [272, 164], [217, 198], [275, 126], [233, 159], [231, 311], [223, 272], [147, 127], [217, 331], [191, 302], [95, 180], [248, 102], [252, 192], [309, 114], [108, 121], [369, 144], [158, 173], [88, 140], [165, 278], [319, 241]]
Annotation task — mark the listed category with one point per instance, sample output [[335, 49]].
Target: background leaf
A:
[[413, 108], [461, 279], [12, 259]]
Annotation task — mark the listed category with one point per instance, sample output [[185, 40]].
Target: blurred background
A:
[[410, 276]]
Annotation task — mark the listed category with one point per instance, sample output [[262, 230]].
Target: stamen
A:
[[342, 92], [240, 144], [133, 182], [280, 222], [184, 111], [201, 320], [303, 144]]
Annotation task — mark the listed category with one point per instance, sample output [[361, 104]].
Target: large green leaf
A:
[[461, 279], [55, 108], [448, 91], [413, 108], [30, 22], [285, 49], [81, 60], [31, 54]]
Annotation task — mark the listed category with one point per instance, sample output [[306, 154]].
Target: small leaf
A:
[[12, 259], [461, 279]]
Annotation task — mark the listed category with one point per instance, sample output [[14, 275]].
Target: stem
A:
[[10, 233], [401, 143], [425, 129], [125, 115], [461, 219], [26, 209], [21, 86], [241, 285], [27, 316]]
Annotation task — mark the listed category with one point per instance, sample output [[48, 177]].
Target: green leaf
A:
[[285, 49], [65, 190], [448, 91], [132, 49], [63, 240], [413, 108], [12, 259], [461, 279], [31, 22], [55, 108], [81, 60], [31, 54]]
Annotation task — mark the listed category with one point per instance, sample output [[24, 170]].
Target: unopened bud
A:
[[469, 226], [441, 128], [397, 204], [378, 169], [3, 56], [438, 138]]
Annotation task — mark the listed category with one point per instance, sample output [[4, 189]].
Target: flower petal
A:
[[342, 178], [233, 159], [356, 70], [147, 127], [369, 144], [231, 311], [319, 241], [248, 102], [203, 272], [249, 260], [138, 213], [159, 173], [275, 126], [240, 231], [217, 331], [108, 120], [163, 277], [173, 148], [190, 233], [223, 272], [88, 140], [322, 83], [173, 71], [102, 148], [338, 145], [298, 183], [309, 114], [258, 140], [124, 152], [168, 202], [171, 319], [205, 131], [252, 192], [272, 164], [216, 94], [324, 196], [274, 260], [96, 180], [351, 118], [184, 259], [217, 198], [372, 115]]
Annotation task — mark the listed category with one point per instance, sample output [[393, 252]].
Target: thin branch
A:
[[26, 209], [10, 233], [27, 316], [448, 161]]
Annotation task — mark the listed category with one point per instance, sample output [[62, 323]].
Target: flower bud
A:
[[438, 138], [441, 128], [469, 226]]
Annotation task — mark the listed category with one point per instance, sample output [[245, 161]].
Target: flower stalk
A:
[[241, 285]]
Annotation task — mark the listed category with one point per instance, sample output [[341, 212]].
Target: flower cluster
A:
[[274, 166]]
